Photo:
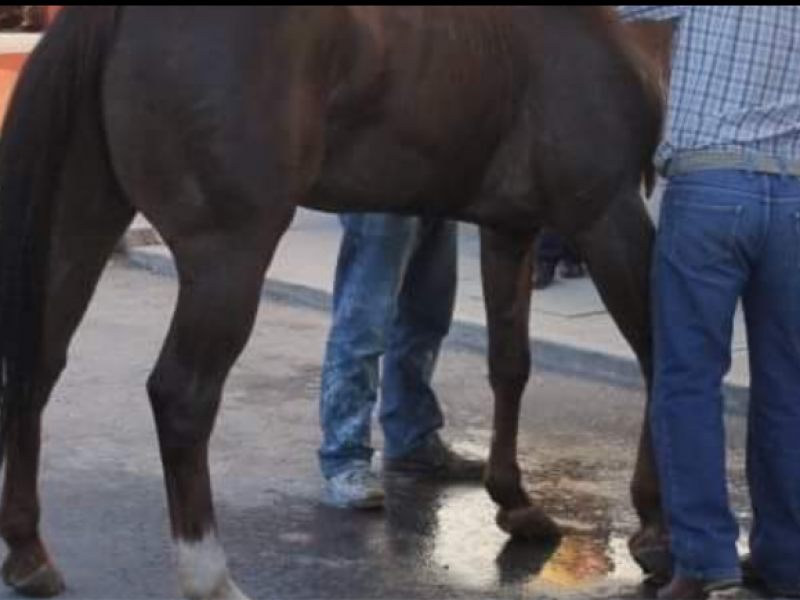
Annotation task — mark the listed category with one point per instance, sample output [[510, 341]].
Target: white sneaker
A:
[[358, 488]]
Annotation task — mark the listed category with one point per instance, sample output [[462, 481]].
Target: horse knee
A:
[[510, 369], [510, 380]]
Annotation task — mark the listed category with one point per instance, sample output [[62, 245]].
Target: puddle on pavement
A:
[[464, 543], [434, 537], [460, 542]]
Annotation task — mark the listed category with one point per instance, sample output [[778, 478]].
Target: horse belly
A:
[[375, 176]]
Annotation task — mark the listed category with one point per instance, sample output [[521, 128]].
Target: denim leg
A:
[[410, 411], [374, 255], [551, 248], [699, 275], [772, 304]]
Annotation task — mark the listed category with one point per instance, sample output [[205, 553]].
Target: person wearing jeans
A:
[[729, 232], [393, 299], [552, 250]]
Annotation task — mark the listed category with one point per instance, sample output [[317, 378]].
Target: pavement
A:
[[17, 43]]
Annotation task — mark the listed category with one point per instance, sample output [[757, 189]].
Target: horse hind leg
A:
[[221, 275], [91, 218], [221, 198], [618, 251]]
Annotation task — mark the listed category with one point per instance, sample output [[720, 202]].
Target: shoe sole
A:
[[375, 503], [722, 586]]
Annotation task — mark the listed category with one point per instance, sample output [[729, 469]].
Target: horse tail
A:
[[58, 91]]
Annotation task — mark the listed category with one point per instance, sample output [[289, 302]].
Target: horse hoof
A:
[[648, 589], [529, 523], [33, 580], [651, 551]]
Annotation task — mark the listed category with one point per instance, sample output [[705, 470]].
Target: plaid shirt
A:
[[735, 79]]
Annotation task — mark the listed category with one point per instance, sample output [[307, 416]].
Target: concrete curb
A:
[[562, 359]]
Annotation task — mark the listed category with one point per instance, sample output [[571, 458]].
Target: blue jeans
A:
[[554, 248], [394, 298], [727, 236]]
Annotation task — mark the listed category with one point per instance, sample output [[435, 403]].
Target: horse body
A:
[[473, 114], [428, 110], [216, 123]]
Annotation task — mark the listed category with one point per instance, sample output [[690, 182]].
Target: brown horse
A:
[[217, 122]]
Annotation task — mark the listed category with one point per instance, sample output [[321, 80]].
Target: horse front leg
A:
[[507, 266], [618, 251]]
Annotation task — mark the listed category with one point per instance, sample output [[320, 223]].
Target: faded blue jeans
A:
[[726, 236], [393, 298], [552, 247]]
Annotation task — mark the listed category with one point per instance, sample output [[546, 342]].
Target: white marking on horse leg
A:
[[203, 571]]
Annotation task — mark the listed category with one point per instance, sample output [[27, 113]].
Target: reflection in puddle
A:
[[579, 562], [467, 542]]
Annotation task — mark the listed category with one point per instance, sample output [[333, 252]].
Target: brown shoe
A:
[[752, 579], [436, 461]]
